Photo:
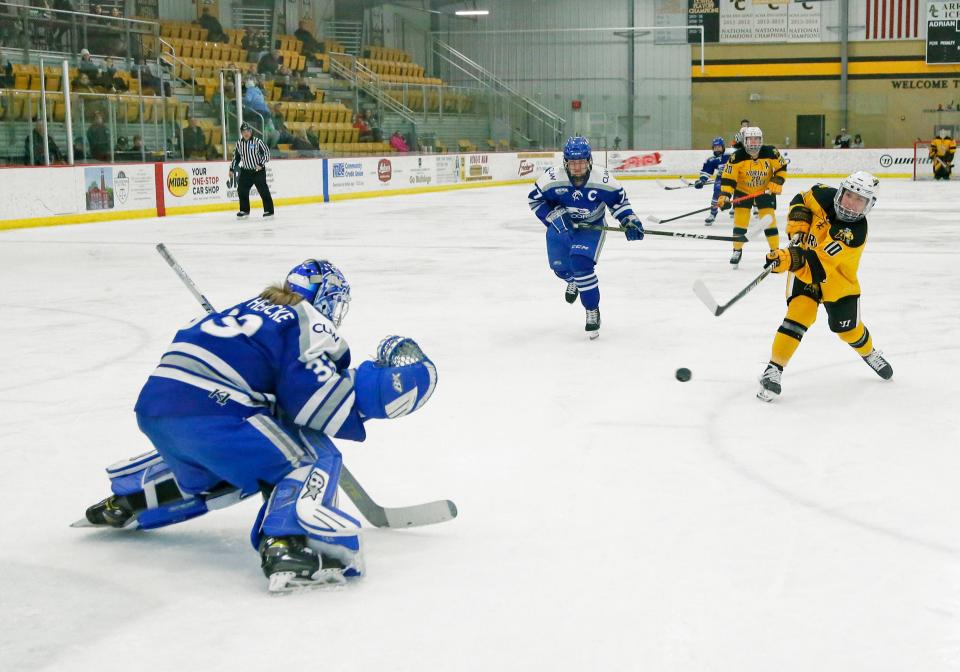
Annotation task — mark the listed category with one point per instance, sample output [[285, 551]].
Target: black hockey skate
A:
[[711, 218], [593, 323], [571, 292], [114, 511], [879, 364], [735, 258], [289, 564], [770, 383]]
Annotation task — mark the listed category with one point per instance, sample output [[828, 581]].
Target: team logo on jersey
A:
[[577, 195], [219, 396], [397, 383], [561, 192], [844, 236]]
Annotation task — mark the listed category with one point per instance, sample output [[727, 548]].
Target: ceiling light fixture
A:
[[472, 12]]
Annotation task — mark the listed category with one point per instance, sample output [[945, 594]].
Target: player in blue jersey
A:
[[246, 401], [569, 199], [712, 168]]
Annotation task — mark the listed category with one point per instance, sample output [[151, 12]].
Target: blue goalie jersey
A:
[[258, 357], [554, 196]]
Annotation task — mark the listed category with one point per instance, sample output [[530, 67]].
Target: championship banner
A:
[[705, 13], [770, 22]]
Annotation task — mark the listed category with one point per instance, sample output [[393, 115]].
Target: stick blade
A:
[[706, 297], [651, 219], [429, 513]]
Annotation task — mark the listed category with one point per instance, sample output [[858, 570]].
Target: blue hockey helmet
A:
[[718, 141], [322, 284], [577, 148]]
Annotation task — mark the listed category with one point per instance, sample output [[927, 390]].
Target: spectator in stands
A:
[[109, 79], [6, 72], [843, 140], [214, 29], [37, 133], [364, 134], [149, 79], [99, 139], [283, 134], [297, 91], [310, 44], [115, 13], [62, 21], [857, 142], [82, 84], [269, 63], [194, 140], [86, 64], [137, 145], [301, 142], [398, 142], [253, 98], [373, 120]]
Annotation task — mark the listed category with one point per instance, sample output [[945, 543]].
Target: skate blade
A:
[[766, 395], [283, 583], [593, 335], [83, 522]]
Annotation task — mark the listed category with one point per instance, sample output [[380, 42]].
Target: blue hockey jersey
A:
[[258, 357], [712, 165], [553, 196]]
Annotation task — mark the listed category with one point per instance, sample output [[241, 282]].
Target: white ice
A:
[[611, 517]]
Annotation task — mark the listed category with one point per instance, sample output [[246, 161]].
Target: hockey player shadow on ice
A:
[[245, 402]]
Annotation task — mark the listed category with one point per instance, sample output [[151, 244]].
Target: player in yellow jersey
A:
[[752, 168], [830, 226], [942, 151]]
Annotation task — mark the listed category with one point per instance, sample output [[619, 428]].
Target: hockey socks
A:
[[859, 339]]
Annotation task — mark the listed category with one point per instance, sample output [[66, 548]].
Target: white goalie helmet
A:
[[856, 196], [752, 140]]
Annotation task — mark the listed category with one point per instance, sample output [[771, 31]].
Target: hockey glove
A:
[[775, 188], [632, 227], [699, 183], [799, 221], [723, 201], [560, 222], [785, 259]]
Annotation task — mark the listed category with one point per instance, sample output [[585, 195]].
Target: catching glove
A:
[[633, 227]]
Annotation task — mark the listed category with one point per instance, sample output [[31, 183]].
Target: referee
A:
[[253, 155]]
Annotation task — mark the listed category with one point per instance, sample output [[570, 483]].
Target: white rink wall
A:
[[77, 194]]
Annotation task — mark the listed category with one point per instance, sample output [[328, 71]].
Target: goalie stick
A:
[[428, 513]]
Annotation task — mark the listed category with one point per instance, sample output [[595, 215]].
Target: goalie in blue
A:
[[246, 401], [571, 200], [711, 170]]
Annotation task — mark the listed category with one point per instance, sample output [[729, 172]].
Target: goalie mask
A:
[[752, 140], [576, 151], [856, 196], [322, 284]]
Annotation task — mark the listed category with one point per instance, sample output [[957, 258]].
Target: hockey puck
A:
[[683, 375]]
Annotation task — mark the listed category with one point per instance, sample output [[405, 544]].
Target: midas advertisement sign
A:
[[197, 183]]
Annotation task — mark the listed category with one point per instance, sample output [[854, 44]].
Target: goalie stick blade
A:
[[429, 513], [704, 295]]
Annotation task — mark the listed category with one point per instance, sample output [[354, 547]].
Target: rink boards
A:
[[46, 196]]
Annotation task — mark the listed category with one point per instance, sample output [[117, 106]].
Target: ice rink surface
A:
[[611, 517]]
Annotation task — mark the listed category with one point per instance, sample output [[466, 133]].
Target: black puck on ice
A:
[[683, 375]]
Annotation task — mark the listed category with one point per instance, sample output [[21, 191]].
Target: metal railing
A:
[[525, 116], [369, 82], [347, 33]]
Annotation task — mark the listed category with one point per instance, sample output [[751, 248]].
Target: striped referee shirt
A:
[[252, 153]]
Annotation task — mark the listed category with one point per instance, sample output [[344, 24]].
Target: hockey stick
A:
[[428, 513], [685, 185], [656, 220], [706, 297], [672, 234]]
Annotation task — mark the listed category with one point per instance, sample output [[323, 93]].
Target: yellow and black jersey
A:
[[745, 175], [943, 148], [832, 248]]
